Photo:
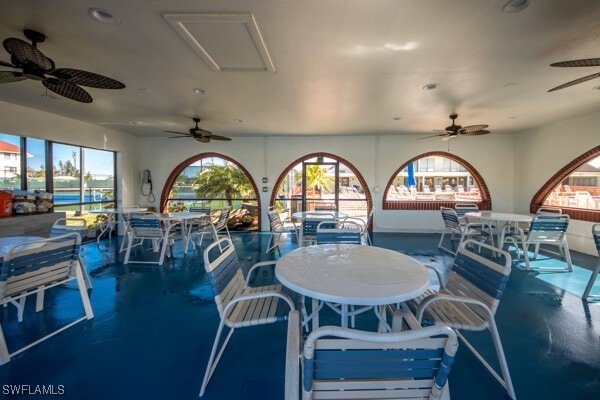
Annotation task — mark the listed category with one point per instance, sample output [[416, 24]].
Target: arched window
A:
[[215, 181], [432, 180], [575, 188], [322, 181]]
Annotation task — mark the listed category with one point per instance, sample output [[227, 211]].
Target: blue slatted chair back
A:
[[478, 277], [311, 223], [68, 225], [548, 228], [223, 218], [450, 219], [329, 232], [223, 268], [34, 264], [462, 209], [146, 227], [365, 365], [596, 234]]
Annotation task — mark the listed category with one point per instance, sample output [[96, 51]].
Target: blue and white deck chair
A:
[[152, 229], [277, 228], [549, 229], [586, 294], [343, 363], [35, 266], [72, 225], [309, 226], [480, 232], [332, 232], [469, 300], [239, 305]]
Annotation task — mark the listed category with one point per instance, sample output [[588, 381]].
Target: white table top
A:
[[8, 242], [176, 216], [118, 211], [337, 214], [498, 216], [352, 274]]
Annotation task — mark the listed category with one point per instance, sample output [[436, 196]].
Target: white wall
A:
[[541, 152], [22, 121], [376, 157]]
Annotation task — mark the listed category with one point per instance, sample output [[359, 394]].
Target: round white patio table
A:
[[505, 218], [352, 275]]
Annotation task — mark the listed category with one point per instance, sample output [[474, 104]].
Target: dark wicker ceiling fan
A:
[[588, 62], [201, 135], [33, 64], [454, 130]]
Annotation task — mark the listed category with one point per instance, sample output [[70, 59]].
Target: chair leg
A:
[[505, 380], [591, 282], [214, 358], [4, 354]]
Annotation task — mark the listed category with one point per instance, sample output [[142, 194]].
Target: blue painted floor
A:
[[154, 327]]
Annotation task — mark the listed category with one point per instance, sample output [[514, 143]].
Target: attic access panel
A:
[[226, 42]]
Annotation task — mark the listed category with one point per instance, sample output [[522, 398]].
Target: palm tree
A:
[[227, 181], [315, 176]]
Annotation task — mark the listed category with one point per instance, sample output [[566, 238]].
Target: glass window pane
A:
[[438, 178], [67, 187], [99, 180], [10, 162], [581, 189], [36, 164]]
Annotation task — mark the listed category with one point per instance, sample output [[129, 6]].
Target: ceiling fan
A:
[[454, 130], [589, 62], [199, 134], [35, 65]]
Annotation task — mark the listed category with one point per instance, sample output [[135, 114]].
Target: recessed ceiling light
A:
[[146, 90], [515, 6], [200, 91], [596, 88], [431, 86], [397, 118], [513, 117], [103, 15], [239, 121]]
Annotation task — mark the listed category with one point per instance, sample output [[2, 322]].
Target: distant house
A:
[[10, 160]]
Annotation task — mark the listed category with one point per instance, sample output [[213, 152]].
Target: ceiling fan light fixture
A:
[[515, 6], [105, 16]]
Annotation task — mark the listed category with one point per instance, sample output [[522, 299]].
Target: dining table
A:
[[352, 275], [180, 216], [499, 220]]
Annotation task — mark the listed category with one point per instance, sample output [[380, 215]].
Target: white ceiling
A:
[[327, 66]]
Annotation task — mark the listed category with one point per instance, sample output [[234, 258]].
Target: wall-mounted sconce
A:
[[265, 180], [265, 189]]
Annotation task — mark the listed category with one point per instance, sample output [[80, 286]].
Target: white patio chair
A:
[[342, 363], [469, 300], [35, 266], [481, 232], [63, 226], [332, 232], [152, 229], [221, 224], [549, 229], [463, 208], [586, 294], [126, 216], [277, 228], [310, 224], [364, 226], [197, 228], [239, 305]]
